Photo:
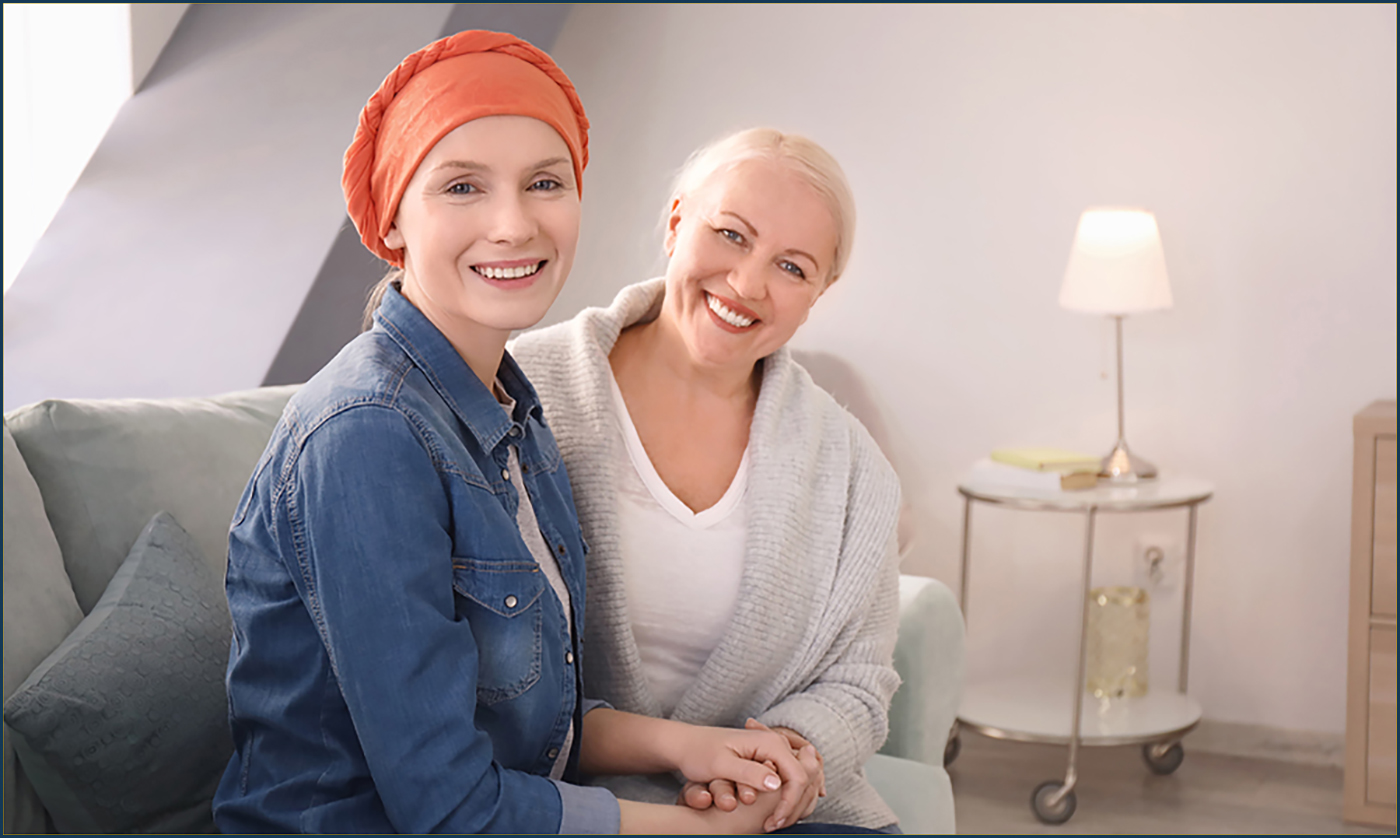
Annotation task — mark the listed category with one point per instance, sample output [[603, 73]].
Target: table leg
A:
[[1071, 771], [966, 546], [1187, 589]]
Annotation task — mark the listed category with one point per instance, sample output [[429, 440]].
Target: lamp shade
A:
[[1116, 265]]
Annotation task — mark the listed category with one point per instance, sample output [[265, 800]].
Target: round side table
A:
[[1014, 709]]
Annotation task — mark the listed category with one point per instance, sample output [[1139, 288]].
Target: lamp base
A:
[[1123, 466]]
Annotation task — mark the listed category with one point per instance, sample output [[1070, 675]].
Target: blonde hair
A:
[[809, 161]]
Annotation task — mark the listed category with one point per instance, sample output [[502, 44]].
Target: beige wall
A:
[[1264, 139], [152, 24]]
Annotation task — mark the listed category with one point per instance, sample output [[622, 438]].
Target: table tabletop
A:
[[1107, 496]]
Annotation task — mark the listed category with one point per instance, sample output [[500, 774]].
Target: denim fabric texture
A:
[[399, 661]]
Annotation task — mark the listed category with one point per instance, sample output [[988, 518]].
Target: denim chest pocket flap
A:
[[501, 601]]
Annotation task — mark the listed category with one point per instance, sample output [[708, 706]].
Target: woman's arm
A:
[[615, 742], [844, 711], [368, 515]]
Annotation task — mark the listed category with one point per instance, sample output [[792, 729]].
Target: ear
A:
[[673, 222], [393, 239]]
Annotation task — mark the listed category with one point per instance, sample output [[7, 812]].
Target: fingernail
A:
[[771, 783]]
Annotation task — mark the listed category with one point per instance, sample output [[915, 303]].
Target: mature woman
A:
[[741, 523], [405, 567]]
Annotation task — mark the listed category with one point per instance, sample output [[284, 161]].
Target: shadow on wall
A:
[[840, 379]]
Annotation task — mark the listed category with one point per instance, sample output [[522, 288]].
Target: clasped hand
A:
[[727, 767]]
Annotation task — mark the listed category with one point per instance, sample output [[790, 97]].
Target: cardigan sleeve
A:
[[844, 710]]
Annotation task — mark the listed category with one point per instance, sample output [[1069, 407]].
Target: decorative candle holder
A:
[[1116, 647]]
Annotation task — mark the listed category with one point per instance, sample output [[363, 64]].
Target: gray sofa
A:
[[116, 631]]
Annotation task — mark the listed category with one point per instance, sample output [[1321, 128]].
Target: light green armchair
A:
[[908, 772]]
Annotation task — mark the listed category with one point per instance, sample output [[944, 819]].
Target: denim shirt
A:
[[399, 661]]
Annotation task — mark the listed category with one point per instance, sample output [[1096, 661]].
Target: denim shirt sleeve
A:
[[370, 524]]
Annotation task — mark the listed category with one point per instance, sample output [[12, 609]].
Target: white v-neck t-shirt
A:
[[681, 569]]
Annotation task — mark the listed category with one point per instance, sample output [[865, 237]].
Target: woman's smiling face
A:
[[751, 250], [489, 226]]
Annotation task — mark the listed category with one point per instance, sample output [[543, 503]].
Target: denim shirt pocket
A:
[[501, 599]]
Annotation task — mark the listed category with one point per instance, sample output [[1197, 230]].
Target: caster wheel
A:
[[951, 750], [1057, 813], [1163, 759]]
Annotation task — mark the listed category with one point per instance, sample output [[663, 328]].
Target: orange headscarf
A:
[[441, 86]]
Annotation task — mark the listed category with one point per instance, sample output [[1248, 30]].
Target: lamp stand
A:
[[1121, 465]]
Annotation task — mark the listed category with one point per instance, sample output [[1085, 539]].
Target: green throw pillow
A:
[[124, 728]]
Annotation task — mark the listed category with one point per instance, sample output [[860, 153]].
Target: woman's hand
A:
[[811, 760], [726, 795], [755, 817], [727, 766], [651, 819]]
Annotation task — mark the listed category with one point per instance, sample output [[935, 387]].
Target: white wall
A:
[[152, 24], [179, 260], [1264, 139], [67, 72]]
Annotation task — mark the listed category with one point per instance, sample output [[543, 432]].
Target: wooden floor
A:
[[993, 781]]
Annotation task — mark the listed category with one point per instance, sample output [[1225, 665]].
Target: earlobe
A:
[[393, 239]]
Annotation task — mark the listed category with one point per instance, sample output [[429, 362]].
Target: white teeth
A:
[[508, 273], [727, 314]]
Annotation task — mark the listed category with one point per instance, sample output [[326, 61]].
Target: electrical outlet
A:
[[1157, 562]]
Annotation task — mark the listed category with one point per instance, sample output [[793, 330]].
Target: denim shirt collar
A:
[[469, 399]]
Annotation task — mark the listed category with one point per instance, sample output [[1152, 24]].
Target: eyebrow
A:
[[472, 164], [753, 231]]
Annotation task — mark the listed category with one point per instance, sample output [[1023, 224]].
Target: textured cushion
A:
[[106, 466], [125, 726], [40, 610]]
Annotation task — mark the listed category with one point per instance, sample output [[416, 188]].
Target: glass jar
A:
[[1116, 646]]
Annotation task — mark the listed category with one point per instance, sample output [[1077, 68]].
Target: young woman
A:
[[742, 523], [405, 566]]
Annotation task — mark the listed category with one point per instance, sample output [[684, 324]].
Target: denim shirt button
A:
[[515, 432], [568, 657], [511, 601], [553, 753], [505, 473]]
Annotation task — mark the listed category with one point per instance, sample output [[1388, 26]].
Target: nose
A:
[[747, 280], [512, 222]]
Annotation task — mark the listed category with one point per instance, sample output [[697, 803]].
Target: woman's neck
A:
[[655, 355], [479, 346]]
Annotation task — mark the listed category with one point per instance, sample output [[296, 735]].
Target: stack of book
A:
[[1048, 469]]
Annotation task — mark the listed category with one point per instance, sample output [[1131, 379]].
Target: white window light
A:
[[68, 70]]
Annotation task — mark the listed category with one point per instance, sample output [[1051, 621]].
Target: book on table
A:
[[1047, 459], [1070, 476]]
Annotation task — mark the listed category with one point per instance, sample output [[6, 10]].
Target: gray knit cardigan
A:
[[811, 643]]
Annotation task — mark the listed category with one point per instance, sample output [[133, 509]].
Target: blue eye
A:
[[546, 184], [792, 268], [461, 189], [732, 235]]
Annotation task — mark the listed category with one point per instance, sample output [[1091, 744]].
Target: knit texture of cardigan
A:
[[811, 642]]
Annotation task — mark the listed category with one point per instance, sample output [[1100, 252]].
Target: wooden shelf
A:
[[1369, 789]]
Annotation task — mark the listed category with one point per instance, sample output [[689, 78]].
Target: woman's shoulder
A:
[[357, 390], [592, 331], [807, 414]]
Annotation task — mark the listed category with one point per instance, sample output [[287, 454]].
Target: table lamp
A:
[[1116, 267]]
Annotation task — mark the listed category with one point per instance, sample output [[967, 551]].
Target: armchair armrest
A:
[[929, 656]]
